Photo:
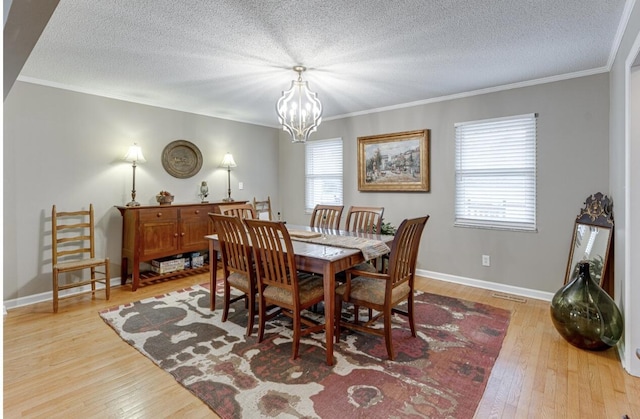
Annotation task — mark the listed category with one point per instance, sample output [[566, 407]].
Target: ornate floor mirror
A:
[[593, 241]]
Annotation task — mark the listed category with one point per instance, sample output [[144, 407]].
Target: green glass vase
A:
[[585, 315]]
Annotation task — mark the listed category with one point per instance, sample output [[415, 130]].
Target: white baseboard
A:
[[48, 296], [493, 286]]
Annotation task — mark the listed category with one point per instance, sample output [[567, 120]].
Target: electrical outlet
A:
[[241, 186], [486, 260]]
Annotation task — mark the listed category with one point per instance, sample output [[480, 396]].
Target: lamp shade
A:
[[228, 161], [135, 154]]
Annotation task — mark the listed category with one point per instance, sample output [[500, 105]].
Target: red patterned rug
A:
[[440, 374]]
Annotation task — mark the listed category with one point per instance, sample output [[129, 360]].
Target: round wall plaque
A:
[[181, 159]]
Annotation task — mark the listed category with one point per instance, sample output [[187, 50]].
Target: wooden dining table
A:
[[323, 259]]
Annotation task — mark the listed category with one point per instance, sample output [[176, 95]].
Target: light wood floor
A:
[[72, 365]]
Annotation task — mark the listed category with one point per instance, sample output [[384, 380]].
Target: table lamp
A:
[[134, 155], [228, 162]]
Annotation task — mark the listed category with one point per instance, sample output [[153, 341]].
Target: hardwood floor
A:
[[71, 364]]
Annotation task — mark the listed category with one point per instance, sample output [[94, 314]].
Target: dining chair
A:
[[364, 219], [383, 292], [278, 281], [237, 264], [241, 211], [73, 250], [327, 216], [263, 208]]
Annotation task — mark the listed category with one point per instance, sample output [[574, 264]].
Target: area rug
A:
[[440, 374]]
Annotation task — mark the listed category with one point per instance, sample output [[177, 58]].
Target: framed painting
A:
[[394, 162]]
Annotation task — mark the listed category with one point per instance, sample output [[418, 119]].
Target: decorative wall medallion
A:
[[181, 159]]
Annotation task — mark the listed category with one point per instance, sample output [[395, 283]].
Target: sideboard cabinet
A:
[[158, 231]]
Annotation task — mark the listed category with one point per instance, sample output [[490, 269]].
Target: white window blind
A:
[[496, 173], [323, 173]]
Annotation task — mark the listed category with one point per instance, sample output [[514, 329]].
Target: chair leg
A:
[[261, 318], [93, 283], [227, 297], [412, 322], [55, 290], [387, 334], [251, 314], [337, 318], [107, 280], [296, 333]]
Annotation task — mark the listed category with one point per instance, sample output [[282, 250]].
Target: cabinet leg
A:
[[124, 271]]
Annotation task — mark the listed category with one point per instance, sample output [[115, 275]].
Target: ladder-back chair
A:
[[73, 249], [263, 207]]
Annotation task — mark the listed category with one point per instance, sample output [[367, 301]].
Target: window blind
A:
[[496, 173], [323, 173]]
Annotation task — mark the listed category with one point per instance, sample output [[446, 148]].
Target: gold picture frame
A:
[[396, 162]]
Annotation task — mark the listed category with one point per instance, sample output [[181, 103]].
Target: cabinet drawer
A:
[[160, 214]]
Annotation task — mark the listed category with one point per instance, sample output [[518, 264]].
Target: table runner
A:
[[370, 248]]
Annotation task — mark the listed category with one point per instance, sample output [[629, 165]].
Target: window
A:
[[323, 173], [496, 173]]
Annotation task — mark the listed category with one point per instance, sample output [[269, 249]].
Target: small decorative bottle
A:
[[585, 315]]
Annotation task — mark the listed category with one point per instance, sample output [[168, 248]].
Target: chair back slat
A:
[[327, 216], [364, 219], [404, 251], [241, 211]]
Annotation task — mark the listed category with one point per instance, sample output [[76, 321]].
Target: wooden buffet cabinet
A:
[[153, 232]]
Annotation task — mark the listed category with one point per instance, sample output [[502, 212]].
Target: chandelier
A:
[[299, 110]]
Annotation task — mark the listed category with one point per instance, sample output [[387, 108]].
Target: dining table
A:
[[321, 251]]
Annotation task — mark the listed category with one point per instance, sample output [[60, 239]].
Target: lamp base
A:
[[228, 200], [133, 204]]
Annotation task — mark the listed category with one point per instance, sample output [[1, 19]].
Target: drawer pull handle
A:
[[182, 234], [197, 211], [159, 214], [175, 235]]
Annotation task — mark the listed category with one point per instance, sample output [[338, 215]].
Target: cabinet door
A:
[[194, 225], [158, 232]]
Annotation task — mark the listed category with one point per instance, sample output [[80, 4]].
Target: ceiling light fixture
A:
[[299, 110]]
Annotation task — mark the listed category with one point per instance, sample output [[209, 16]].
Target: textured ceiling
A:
[[232, 58]]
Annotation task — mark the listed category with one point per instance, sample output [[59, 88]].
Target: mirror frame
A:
[[596, 212]]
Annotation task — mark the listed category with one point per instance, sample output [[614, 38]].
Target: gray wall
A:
[[66, 148], [80, 140], [573, 162]]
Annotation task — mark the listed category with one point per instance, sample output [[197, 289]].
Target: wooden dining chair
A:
[[382, 292], [278, 281], [237, 265], [364, 219], [263, 208], [327, 216], [241, 211], [73, 250]]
